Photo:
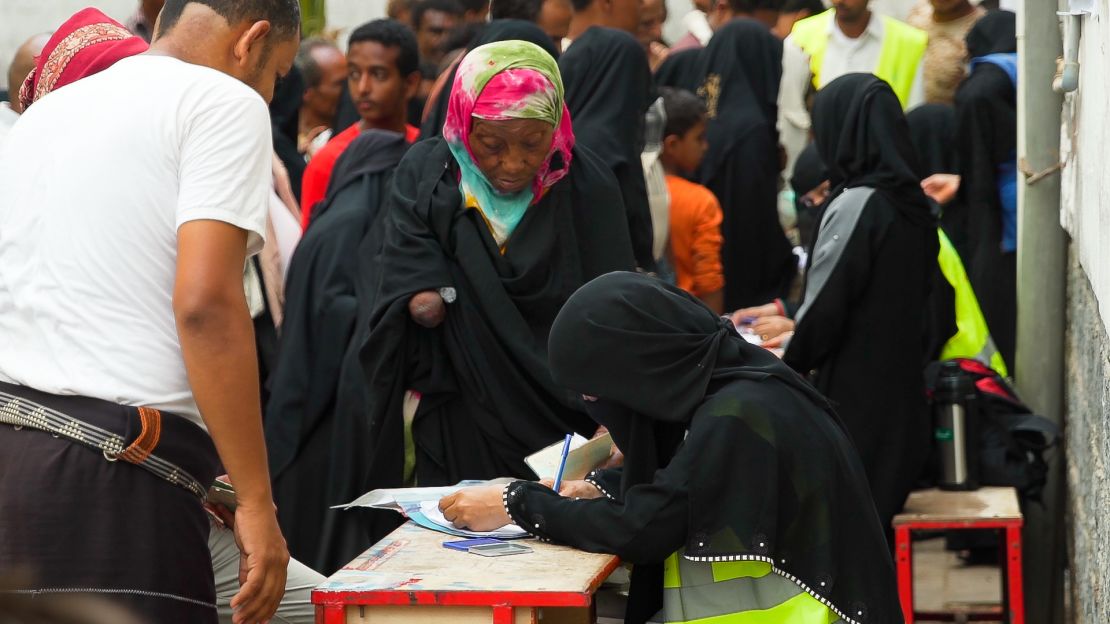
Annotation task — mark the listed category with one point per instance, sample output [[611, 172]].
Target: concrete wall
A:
[[1085, 195], [1087, 445], [1085, 151]]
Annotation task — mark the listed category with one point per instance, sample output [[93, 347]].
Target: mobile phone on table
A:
[[466, 544], [499, 550]]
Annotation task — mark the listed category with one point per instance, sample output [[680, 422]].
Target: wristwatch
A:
[[448, 294]]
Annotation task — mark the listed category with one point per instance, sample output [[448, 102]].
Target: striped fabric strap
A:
[[20, 412]]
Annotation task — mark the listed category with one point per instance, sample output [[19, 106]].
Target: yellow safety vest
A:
[[973, 337], [735, 592], [902, 53]]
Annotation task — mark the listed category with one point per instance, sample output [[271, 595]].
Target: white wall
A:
[[1085, 151], [20, 19], [346, 15]]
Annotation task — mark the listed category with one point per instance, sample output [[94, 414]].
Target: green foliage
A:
[[313, 17]]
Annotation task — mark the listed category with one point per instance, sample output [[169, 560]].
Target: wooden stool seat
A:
[[986, 508]]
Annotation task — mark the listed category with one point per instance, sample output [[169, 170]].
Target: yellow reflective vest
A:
[[973, 338], [902, 52], [736, 592]]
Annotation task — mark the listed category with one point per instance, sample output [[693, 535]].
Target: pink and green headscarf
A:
[[499, 81]]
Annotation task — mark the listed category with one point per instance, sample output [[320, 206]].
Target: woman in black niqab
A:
[[609, 88], [986, 131], [861, 329], [729, 456], [285, 111], [738, 75]]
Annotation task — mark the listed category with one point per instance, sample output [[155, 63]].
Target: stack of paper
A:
[[421, 505]]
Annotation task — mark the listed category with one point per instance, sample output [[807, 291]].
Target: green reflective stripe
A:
[[728, 570], [972, 339], [742, 592], [903, 50], [801, 609]]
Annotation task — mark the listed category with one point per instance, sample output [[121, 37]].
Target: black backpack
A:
[[1012, 439]]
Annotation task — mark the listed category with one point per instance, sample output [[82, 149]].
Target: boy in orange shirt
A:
[[695, 245]]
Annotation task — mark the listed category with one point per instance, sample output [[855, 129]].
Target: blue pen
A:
[[562, 463]]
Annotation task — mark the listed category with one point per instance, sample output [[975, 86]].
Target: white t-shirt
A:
[[95, 180]]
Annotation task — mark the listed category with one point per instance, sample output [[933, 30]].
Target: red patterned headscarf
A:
[[87, 43]]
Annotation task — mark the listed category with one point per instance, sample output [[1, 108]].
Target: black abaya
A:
[[488, 399], [302, 437], [861, 330], [986, 123], [765, 472], [738, 76], [677, 71], [285, 115], [608, 91]]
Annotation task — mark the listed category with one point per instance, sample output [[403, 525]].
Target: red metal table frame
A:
[[331, 607], [1013, 594]]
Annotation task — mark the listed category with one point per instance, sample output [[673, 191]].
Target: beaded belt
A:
[[21, 412]]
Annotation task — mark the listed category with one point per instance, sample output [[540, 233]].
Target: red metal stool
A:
[[986, 508]]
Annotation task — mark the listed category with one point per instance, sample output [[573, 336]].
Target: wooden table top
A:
[[413, 559], [935, 505]]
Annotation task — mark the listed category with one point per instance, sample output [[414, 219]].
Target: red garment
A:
[[314, 185], [87, 43]]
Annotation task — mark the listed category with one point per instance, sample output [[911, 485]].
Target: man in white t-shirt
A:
[[129, 201]]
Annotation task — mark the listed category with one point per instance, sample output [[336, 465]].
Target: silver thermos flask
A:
[[955, 429]]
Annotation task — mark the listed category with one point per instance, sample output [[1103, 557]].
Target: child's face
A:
[[686, 151]]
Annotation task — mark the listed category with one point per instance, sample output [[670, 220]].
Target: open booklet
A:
[[584, 456], [421, 505]]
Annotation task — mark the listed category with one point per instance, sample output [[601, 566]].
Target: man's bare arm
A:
[[217, 342]]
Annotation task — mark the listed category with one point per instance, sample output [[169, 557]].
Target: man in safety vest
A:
[[845, 39]]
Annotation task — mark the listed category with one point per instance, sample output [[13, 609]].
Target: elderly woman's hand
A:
[[427, 309]]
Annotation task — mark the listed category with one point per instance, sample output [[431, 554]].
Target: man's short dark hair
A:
[[474, 6], [391, 34], [450, 7], [751, 6], [310, 69], [581, 5], [684, 111], [813, 6], [284, 15], [528, 10]]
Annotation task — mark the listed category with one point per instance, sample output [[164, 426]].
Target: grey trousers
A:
[[296, 606]]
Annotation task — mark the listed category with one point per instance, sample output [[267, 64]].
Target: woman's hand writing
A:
[[476, 508]]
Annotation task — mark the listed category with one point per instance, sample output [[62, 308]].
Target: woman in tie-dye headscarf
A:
[[489, 229], [508, 129]]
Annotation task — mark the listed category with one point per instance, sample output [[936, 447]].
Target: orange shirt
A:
[[695, 237], [314, 185]]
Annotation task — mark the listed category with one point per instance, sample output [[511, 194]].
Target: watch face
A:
[[448, 294]]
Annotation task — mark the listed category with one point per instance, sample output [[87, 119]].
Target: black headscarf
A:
[[285, 112], [497, 30], [738, 77], [996, 32], [678, 70], [933, 130], [608, 90], [661, 363], [864, 140], [748, 60]]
